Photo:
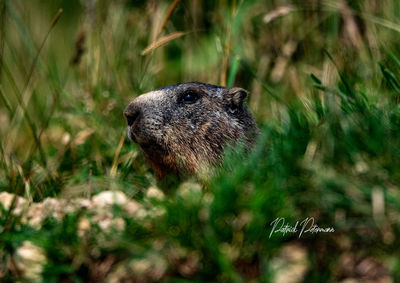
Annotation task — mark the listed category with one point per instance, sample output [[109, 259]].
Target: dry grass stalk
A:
[[161, 41], [169, 13]]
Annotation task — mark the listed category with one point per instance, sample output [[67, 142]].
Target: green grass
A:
[[324, 83]]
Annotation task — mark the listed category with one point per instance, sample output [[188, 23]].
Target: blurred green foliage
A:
[[324, 82]]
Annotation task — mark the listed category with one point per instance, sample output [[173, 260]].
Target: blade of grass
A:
[[350, 92], [264, 85], [147, 61], [390, 77], [374, 19], [394, 58], [4, 159], [24, 34], [23, 110], [225, 55], [35, 60], [2, 33], [5, 100], [233, 71], [114, 166], [168, 15], [20, 98]]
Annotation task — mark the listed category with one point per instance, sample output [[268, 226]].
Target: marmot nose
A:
[[131, 113]]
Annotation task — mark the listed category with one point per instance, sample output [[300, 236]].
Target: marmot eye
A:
[[189, 97]]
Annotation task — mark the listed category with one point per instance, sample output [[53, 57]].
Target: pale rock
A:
[[30, 260]]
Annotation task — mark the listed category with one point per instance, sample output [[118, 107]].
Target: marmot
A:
[[183, 127]]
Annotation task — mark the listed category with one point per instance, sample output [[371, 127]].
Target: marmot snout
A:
[[183, 127]]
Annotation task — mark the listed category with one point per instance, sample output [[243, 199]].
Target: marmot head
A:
[[183, 127]]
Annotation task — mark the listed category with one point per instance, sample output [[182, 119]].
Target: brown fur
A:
[[183, 127]]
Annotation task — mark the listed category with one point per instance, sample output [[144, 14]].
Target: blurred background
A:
[[324, 83]]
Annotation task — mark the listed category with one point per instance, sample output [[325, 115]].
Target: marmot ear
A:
[[237, 95]]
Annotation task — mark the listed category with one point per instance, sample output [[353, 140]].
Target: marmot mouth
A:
[[131, 136], [148, 145]]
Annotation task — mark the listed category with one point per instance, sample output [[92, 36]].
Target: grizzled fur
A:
[[183, 127]]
